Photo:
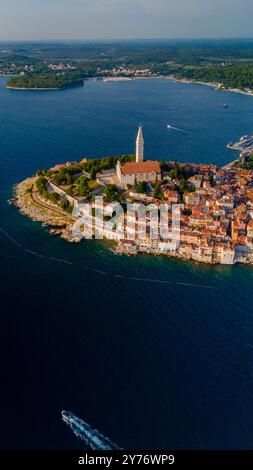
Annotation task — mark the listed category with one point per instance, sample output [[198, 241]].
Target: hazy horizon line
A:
[[200, 38]]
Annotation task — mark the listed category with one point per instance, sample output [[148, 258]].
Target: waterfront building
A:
[[60, 166]]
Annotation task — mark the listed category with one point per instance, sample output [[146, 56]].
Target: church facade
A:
[[140, 170]]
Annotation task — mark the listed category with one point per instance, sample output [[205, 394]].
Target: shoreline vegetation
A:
[[30, 89], [53, 208], [105, 79], [175, 78], [39, 209], [216, 86], [44, 82]]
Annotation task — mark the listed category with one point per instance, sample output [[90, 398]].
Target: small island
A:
[[44, 82], [216, 226]]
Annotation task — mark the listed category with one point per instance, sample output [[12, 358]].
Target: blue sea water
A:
[[151, 364]]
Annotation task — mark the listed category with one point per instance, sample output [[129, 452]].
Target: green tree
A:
[[92, 174], [141, 187], [158, 192], [111, 193]]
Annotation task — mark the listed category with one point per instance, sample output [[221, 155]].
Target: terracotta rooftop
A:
[[140, 167]]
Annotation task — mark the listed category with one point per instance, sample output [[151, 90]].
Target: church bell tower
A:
[[140, 146]]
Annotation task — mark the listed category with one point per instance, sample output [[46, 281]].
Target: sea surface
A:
[[154, 353]]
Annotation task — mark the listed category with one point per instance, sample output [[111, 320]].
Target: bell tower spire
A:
[[140, 145]]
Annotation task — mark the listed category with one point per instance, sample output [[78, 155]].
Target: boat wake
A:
[[176, 128], [92, 437], [100, 272]]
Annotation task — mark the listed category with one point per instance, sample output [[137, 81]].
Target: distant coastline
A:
[[216, 86], [8, 75], [43, 83], [31, 89], [106, 79]]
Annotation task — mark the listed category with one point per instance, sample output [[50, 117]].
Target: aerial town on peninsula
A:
[[216, 224]]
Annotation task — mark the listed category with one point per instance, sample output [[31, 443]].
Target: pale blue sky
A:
[[113, 19]]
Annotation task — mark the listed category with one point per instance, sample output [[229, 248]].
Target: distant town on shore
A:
[[57, 66]]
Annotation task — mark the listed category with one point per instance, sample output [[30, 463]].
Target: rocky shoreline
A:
[[30, 89], [40, 211], [30, 203]]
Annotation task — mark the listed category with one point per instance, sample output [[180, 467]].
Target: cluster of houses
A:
[[61, 67], [123, 71], [216, 219], [216, 223], [15, 69]]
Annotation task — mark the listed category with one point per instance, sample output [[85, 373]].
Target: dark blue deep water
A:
[[151, 365]]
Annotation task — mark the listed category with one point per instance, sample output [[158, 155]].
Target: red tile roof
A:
[[140, 167]]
